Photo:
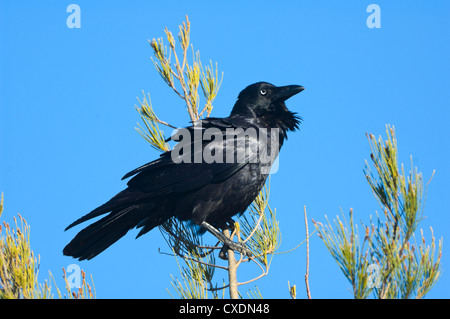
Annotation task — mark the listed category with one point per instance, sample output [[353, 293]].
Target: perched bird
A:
[[212, 174]]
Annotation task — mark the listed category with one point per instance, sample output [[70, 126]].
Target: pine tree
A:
[[387, 261]]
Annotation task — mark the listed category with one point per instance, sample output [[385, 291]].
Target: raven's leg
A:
[[227, 241], [230, 225]]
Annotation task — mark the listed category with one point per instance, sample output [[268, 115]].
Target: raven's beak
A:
[[284, 92]]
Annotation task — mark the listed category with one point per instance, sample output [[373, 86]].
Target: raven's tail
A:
[[125, 214]]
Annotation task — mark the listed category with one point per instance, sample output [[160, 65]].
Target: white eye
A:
[[263, 92]]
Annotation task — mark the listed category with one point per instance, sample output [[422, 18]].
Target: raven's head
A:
[[266, 101]]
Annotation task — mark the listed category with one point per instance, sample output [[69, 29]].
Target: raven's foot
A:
[[228, 243], [239, 247]]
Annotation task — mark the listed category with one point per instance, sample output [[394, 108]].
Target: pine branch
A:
[[388, 263]]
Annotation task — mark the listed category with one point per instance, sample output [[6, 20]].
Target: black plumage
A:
[[178, 184]]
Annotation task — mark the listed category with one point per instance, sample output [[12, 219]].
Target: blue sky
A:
[[67, 119]]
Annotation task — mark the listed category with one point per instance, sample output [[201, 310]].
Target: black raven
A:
[[204, 180]]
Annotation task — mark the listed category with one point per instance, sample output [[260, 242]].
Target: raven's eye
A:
[[263, 92]]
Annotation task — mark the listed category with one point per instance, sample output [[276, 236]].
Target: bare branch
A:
[[308, 293]]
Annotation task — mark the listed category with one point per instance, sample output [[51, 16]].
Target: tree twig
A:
[[232, 269], [193, 259], [308, 292]]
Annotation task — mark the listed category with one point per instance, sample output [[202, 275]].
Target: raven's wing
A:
[[168, 175], [137, 206], [215, 150]]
